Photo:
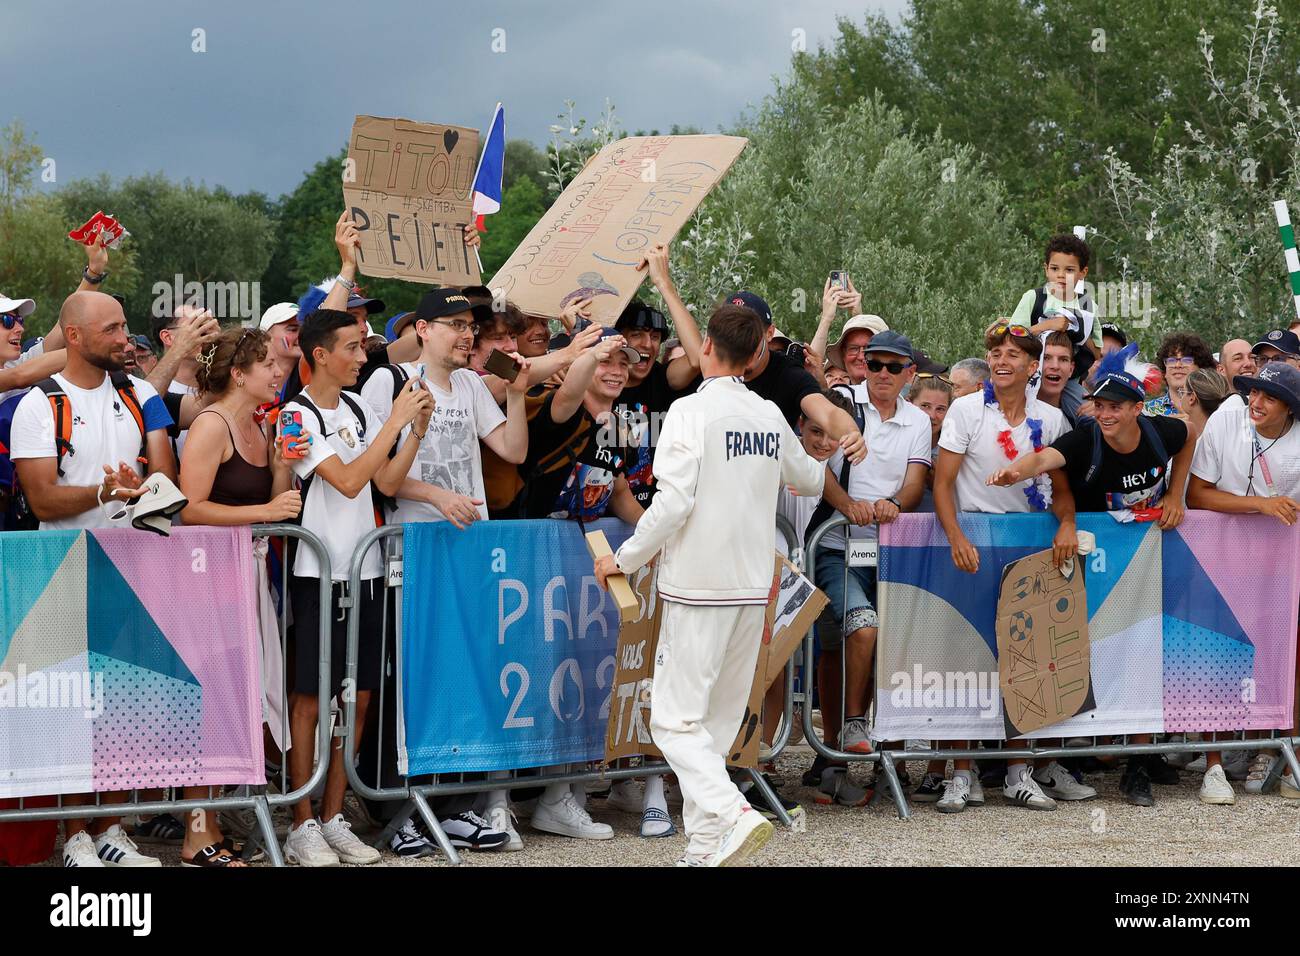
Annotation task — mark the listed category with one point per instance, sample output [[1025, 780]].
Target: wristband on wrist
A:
[[346, 283], [92, 278], [895, 502]]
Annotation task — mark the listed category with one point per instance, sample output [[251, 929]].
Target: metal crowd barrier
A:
[[887, 760], [415, 796], [256, 798]]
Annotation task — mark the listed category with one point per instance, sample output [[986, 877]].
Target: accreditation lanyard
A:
[[1263, 464]]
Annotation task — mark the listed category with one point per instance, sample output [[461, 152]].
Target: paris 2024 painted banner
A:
[[1190, 630], [128, 661]]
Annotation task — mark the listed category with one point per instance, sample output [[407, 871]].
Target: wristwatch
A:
[[896, 503], [91, 278], [350, 286]]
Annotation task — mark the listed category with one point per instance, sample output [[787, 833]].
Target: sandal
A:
[[215, 856], [237, 849]]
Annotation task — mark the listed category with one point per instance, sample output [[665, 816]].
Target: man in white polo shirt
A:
[[891, 479]]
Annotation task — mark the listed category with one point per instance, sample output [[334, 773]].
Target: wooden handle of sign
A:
[[619, 586]]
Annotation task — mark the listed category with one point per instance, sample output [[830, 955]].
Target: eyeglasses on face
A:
[[1175, 360], [895, 368], [855, 349], [459, 326], [10, 319]]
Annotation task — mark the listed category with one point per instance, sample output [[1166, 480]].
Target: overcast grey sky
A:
[[117, 88]]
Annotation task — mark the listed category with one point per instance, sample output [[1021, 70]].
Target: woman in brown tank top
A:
[[233, 474]]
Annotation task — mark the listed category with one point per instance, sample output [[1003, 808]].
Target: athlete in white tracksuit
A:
[[722, 458]]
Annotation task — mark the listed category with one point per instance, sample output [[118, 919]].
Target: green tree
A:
[[522, 205]]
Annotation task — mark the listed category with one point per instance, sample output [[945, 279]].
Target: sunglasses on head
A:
[[875, 365], [921, 376], [1019, 331], [10, 319]]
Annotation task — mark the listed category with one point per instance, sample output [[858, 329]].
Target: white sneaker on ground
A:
[[1260, 768], [566, 818], [79, 850], [503, 819], [1196, 765], [1215, 789], [694, 861], [115, 848], [976, 791], [626, 797], [745, 838], [1286, 786], [349, 847], [1236, 764], [306, 846], [469, 831], [1059, 783], [956, 795], [1025, 792]]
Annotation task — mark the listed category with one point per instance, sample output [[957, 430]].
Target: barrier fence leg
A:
[[1288, 754], [900, 801], [262, 810], [431, 821], [394, 825], [772, 799]]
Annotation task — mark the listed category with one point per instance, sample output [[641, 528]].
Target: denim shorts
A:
[[853, 599]]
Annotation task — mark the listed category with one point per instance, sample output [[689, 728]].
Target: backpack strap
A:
[[1094, 462], [126, 391], [824, 509], [400, 378], [61, 408], [357, 413], [1040, 304]]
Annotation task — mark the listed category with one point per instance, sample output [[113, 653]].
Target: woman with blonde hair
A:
[[234, 473]]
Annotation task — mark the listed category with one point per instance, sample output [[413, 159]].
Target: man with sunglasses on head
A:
[[891, 479]]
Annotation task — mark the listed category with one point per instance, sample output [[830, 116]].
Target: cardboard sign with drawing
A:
[[407, 186], [1043, 650], [793, 606]]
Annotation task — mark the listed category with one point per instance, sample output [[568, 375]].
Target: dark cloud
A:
[[119, 90]]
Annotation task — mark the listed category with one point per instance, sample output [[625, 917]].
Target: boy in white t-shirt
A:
[[108, 453], [982, 433], [349, 450], [445, 481]]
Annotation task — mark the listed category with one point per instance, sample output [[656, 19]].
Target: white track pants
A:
[[704, 669]]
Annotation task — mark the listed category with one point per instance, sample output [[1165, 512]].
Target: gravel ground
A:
[[1178, 831]]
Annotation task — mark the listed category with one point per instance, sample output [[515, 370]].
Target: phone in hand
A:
[[290, 434], [797, 351], [839, 279], [502, 365]]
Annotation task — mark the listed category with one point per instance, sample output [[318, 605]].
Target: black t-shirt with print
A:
[[571, 485], [785, 382], [1135, 480], [643, 407]]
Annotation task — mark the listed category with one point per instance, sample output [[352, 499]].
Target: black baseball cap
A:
[[1278, 379], [1119, 387], [370, 305], [1115, 332], [440, 303], [895, 343], [638, 315], [1281, 339], [926, 364], [754, 303]]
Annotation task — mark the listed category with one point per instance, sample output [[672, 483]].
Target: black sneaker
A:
[[468, 830], [1159, 771], [164, 828], [758, 800], [411, 843], [1135, 785], [812, 777], [930, 790]]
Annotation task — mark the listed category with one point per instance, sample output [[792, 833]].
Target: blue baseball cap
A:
[[1119, 387], [395, 325], [633, 356], [754, 303], [1278, 379]]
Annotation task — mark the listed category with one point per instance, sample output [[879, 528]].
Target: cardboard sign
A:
[[1043, 650], [619, 587], [793, 606], [407, 186], [632, 194]]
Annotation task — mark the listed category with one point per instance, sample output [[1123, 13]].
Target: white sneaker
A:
[[306, 846], [115, 848], [694, 861], [501, 818], [1236, 764], [976, 791], [745, 838], [1215, 789], [566, 818], [956, 795], [1260, 768], [1286, 786], [1195, 766], [1025, 792], [349, 847], [626, 797], [1059, 783], [79, 850]]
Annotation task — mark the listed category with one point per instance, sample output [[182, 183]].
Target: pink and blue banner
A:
[[128, 660], [1191, 630]]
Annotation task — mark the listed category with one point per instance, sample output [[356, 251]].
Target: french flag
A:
[[491, 165]]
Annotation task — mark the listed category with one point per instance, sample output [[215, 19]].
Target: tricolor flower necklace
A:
[[1008, 444]]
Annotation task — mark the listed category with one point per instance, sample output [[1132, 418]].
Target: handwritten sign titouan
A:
[[631, 195], [407, 185]]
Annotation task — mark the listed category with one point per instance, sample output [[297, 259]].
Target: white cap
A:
[[24, 307], [280, 312], [872, 323]]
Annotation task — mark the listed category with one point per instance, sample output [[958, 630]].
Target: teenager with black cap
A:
[[1119, 462], [1248, 461], [1278, 346]]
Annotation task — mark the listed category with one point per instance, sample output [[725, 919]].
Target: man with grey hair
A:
[[968, 376]]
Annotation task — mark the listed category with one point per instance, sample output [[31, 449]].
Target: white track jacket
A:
[[722, 457]]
